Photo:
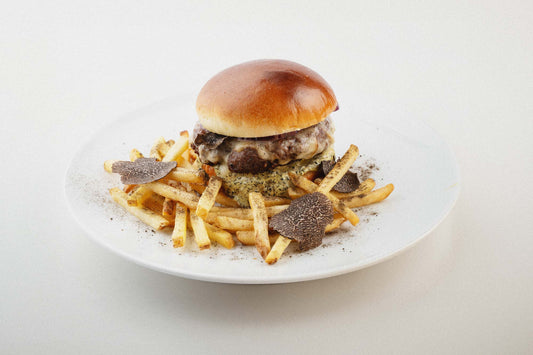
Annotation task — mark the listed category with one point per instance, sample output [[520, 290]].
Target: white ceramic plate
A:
[[406, 153]]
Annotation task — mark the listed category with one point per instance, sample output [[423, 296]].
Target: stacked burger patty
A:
[[256, 155]]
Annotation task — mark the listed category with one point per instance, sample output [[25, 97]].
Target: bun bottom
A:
[[274, 182]]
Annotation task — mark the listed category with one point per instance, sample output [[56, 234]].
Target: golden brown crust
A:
[[264, 98]]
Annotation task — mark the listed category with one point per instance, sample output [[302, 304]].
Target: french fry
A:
[[244, 213], [221, 197], [339, 206], [295, 192], [277, 249], [135, 154], [365, 187], [192, 155], [154, 151], [225, 200], [370, 198], [220, 236], [183, 159], [248, 237], [310, 175], [174, 184], [129, 188], [157, 198], [187, 175], [168, 208], [184, 163], [163, 147], [273, 237], [144, 214], [188, 199], [171, 203], [275, 201], [140, 195], [207, 200], [108, 165], [179, 234], [306, 185], [197, 164], [200, 231], [177, 149], [189, 156], [337, 221], [338, 171], [154, 203], [234, 224], [259, 213]]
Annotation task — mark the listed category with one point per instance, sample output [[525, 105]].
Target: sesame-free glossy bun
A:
[[264, 98]]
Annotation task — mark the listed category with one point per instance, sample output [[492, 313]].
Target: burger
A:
[[260, 120]]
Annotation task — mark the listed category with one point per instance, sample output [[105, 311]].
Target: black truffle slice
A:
[[348, 183], [142, 170], [305, 220]]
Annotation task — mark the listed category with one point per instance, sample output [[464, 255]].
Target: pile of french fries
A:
[[188, 199]]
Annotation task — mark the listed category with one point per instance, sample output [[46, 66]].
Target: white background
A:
[[465, 68]]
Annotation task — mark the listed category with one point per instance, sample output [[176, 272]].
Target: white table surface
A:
[[68, 68]]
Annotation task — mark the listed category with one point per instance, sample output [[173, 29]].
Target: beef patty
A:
[[255, 155]]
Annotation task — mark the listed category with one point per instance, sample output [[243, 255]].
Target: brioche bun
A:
[[263, 98]]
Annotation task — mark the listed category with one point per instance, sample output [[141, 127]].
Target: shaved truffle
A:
[[305, 220], [348, 183], [142, 170]]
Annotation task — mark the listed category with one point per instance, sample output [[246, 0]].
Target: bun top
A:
[[264, 98]]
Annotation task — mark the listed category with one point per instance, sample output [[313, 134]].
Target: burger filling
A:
[[256, 155]]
